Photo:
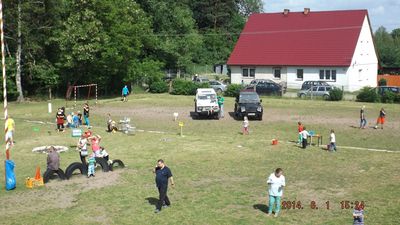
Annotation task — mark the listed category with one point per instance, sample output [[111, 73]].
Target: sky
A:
[[381, 12]]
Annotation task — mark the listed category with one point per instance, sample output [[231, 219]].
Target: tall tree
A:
[[177, 37], [247, 7], [386, 48], [18, 55]]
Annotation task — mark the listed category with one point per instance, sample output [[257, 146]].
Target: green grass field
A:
[[220, 175]]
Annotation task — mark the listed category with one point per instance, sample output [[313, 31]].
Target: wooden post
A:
[[3, 63]]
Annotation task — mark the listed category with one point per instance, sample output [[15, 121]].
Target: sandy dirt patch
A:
[[57, 194]]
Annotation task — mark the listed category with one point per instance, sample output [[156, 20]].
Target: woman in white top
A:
[[276, 182]]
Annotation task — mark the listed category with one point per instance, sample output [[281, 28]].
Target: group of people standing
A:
[[97, 151], [72, 120]]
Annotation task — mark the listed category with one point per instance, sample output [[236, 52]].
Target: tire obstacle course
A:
[[78, 168]]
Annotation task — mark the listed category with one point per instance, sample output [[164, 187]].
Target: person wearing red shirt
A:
[[300, 128]]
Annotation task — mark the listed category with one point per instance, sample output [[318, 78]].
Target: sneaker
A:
[[276, 215], [157, 211], [165, 206], [269, 214]]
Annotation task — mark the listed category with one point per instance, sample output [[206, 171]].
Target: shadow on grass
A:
[[232, 114], [263, 208], [196, 116], [152, 200]]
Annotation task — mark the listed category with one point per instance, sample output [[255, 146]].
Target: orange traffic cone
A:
[[38, 176]]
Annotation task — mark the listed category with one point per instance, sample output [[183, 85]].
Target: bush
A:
[[382, 82], [335, 94], [186, 87], [397, 98], [159, 87], [368, 94], [388, 97], [233, 90]]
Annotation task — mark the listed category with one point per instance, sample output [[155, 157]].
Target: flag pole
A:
[[3, 63]]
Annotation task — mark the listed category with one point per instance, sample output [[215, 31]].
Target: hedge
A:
[[186, 87]]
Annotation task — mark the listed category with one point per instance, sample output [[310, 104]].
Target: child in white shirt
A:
[[276, 182], [304, 135], [245, 125], [332, 145]]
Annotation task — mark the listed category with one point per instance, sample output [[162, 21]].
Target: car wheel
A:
[[326, 97], [219, 91], [303, 96], [260, 117]]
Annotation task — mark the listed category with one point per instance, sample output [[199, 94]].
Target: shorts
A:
[[9, 135], [97, 153], [380, 120], [124, 95]]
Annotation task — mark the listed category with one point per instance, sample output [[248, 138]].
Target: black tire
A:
[[219, 91], [116, 164], [49, 174], [302, 96], [260, 117], [326, 97], [73, 167], [103, 163]]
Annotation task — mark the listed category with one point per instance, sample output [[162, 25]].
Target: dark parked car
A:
[[381, 89], [307, 84], [248, 103], [266, 87]]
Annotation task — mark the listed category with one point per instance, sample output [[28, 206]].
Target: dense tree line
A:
[[53, 43], [388, 47]]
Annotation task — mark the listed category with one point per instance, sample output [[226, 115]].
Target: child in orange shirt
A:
[[300, 128]]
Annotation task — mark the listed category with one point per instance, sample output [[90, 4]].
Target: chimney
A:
[[286, 11], [306, 11]]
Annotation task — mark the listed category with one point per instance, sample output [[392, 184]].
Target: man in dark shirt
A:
[[163, 174]]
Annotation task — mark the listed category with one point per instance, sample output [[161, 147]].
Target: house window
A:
[[277, 73], [321, 74], [329, 75], [252, 72], [334, 75], [300, 74], [245, 72], [248, 72]]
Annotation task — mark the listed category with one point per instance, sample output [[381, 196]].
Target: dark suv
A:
[[266, 87], [248, 103]]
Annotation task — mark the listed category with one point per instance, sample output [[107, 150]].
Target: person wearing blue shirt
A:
[[125, 92], [163, 175]]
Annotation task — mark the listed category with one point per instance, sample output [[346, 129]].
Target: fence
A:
[[392, 80]]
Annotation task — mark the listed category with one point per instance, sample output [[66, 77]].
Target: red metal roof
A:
[[325, 38]]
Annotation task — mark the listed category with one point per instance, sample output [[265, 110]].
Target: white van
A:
[[206, 103]]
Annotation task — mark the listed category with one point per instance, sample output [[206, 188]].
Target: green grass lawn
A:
[[220, 175]]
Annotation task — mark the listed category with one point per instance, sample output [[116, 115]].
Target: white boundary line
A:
[[369, 149]]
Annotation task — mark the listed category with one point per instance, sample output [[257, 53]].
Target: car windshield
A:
[[207, 96], [248, 97]]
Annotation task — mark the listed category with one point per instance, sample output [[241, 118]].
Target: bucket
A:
[[274, 141]]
